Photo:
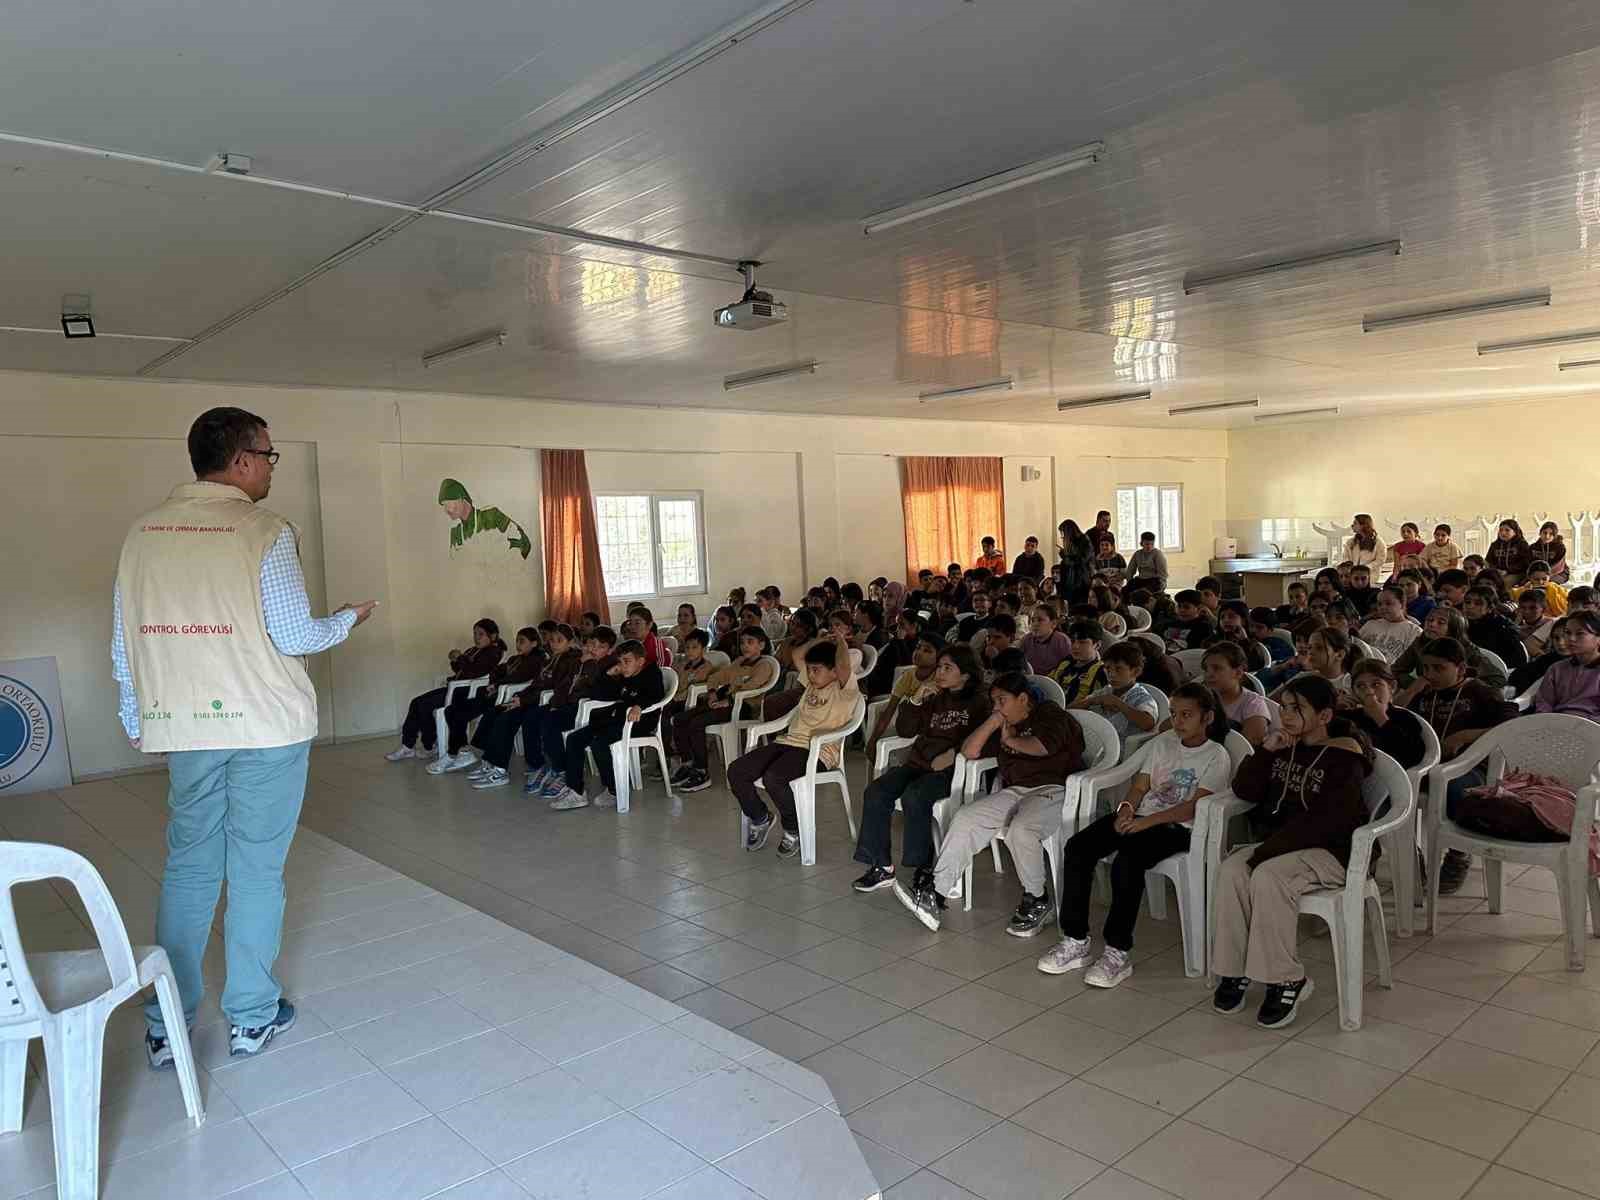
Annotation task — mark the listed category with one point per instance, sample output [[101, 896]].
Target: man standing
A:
[[211, 618]]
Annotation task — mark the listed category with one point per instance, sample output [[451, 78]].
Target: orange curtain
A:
[[573, 581], [951, 505]]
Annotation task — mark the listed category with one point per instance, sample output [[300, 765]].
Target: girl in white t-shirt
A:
[[1244, 709], [1150, 824]]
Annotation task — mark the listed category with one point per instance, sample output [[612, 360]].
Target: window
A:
[[651, 545], [1149, 507]]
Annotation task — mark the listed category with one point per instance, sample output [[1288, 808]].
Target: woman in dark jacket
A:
[[1076, 559]]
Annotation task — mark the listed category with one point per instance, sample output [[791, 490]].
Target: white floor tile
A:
[[912, 1043], [645, 1065], [578, 1027], [1395, 1164], [519, 1119], [840, 1012], [812, 1159], [1158, 1078], [283, 1074], [413, 1031], [620, 1158], [853, 1078], [1471, 1124], [1196, 1164], [1092, 1120], [408, 1164], [1557, 1153], [920, 1123], [1059, 1041], [218, 1159], [980, 1011], [1286, 1125], [1529, 1037], [996, 1079], [1008, 1162], [336, 1118], [1491, 1074], [724, 1111]]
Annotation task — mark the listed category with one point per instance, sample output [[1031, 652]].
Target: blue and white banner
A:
[[33, 731]]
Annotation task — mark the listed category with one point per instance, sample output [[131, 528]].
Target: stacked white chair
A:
[[66, 998]]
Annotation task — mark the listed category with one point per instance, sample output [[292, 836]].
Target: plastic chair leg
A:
[[1052, 854], [1380, 941], [966, 887], [1493, 884], [1402, 855], [1435, 861], [635, 771], [178, 1040], [1574, 892], [1349, 997], [13, 1080], [622, 772], [1192, 924], [74, 1044], [994, 849], [660, 748], [805, 807], [1155, 895]]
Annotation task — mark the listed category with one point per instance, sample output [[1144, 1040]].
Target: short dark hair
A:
[[1188, 596], [1007, 661], [603, 634], [1084, 631], [822, 654], [988, 541], [1533, 595], [1126, 653], [218, 435], [590, 616], [760, 635], [1454, 577], [1208, 583], [1446, 649], [631, 646], [1538, 565], [698, 635], [565, 631], [1483, 595], [1147, 536], [872, 611], [1004, 623]]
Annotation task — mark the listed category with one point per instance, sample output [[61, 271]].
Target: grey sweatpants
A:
[[1258, 912], [1027, 815]]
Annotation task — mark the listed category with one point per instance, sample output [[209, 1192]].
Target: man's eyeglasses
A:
[[272, 456]]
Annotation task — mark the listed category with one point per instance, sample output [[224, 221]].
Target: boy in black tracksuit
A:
[[632, 686]]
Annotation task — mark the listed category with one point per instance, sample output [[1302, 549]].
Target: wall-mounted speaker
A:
[[1029, 474]]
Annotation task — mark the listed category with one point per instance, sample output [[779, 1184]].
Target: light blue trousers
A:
[[233, 816]]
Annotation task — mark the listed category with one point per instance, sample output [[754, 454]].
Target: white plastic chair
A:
[[1493, 660], [875, 707], [1252, 684], [865, 659], [1153, 638], [1139, 618], [66, 998], [1114, 628], [1524, 702], [670, 641], [627, 750], [1556, 744], [1101, 750], [1400, 845], [441, 731], [817, 774], [943, 809], [1190, 662], [729, 732], [717, 658]]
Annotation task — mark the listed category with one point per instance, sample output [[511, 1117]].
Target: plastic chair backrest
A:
[[30, 862], [1051, 689], [964, 616], [1388, 780], [1494, 660], [869, 659], [1163, 703], [901, 672], [1114, 626], [717, 658], [1153, 639], [1239, 748], [1556, 744], [670, 641], [1140, 618], [1252, 684], [669, 684], [1101, 745], [1190, 661]]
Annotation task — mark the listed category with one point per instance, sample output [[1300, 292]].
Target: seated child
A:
[[1000, 636], [1389, 631], [543, 727], [1276, 676], [1233, 625], [1296, 610], [1441, 554], [969, 626], [774, 617], [1306, 786], [1038, 745], [1152, 823], [688, 622], [1557, 649], [632, 685], [1419, 603], [689, 728], [1046, 646], [1160, 668], [1410, 544], [1472, 564], [725, 630], [1128, 704], [1262, 624], [1390, 728], [827, 704], [1573, 686], [521, 667], [1081, 673], [1194, 627], [924, 661], [939, 715], [1361, 594], [1492, 630], [1242, 708], [1538, 580], [1532, 623]]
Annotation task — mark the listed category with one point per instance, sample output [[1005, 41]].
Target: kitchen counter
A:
[[1266, 578]]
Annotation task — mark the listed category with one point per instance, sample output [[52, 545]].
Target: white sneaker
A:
[[1111, 969], [1069, 954], [493, 778], [569, 799], [400, 755], [479, 771], [462, 761], [445, 762], [605, 799], [426, 754]]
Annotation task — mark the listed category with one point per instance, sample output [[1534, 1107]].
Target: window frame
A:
[[1128, 541], [653, 509]]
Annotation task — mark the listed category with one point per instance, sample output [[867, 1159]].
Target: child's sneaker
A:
[[695, 781], [553, 787], [925, 904], [1282, 1002], [1069, 954], [875, 880], [1112, 968], [681, 772], [1030, 917], [494, 779], [606, 799], [757, 837], [569, 799], [399, 754], [1230, 993], [790, 846]]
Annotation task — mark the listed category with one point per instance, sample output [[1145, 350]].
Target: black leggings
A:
[[1135, 854], [419, 719]]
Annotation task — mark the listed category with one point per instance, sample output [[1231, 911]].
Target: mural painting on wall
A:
[[469, 519]]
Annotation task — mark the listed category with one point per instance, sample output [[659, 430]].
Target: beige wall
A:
[[1507, 460], [787, 500]]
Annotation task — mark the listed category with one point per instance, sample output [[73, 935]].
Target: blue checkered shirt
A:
[[284, 604]]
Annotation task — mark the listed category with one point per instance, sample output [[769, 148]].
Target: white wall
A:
[[788, 500]]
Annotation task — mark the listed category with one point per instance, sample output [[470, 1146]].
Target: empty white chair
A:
[[1101, 750], [627, 750], [66, 998], [866, 658], [1114, 627], [1555, 744], [817, 774], [1524, 702]]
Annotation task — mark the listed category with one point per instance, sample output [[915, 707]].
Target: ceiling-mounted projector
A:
[[755, 309]]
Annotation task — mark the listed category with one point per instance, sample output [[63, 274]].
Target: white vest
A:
[[206, 672]]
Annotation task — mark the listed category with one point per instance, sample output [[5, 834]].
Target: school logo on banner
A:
[[32, 742]]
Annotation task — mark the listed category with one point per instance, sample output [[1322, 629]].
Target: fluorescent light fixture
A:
[[1535, 299], [982, 189], [1194, 282], [1218, 407], [807, 366], [1539, 343], [971, 389], [1097, 401], [75, 319], [437, 358], [1578, 364], [1299, 412]]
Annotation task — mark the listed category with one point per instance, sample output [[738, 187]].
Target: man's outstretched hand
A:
[[362, 610]]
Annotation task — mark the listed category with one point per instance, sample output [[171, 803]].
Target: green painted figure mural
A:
[[469, 519]]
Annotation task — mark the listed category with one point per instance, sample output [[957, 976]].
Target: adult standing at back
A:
[[1076, 551], [211, 620]]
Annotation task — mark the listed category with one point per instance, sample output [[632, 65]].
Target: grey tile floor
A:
[[959, 1069]]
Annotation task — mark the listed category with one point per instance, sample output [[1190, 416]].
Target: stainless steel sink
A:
[[1266, 565]]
